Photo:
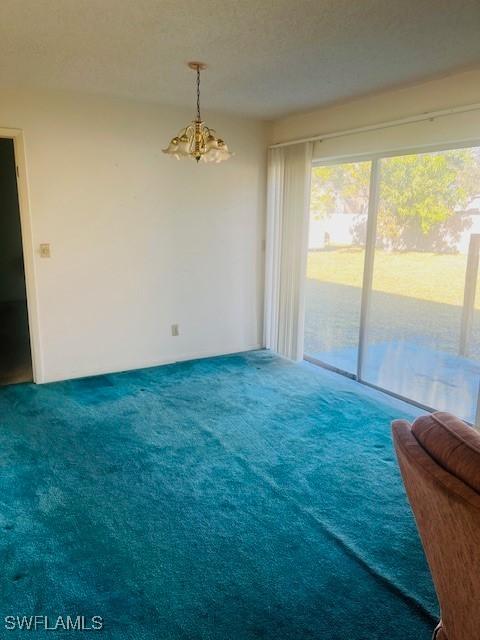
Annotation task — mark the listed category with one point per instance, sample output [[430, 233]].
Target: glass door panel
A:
[[337, 230], [423, 320]]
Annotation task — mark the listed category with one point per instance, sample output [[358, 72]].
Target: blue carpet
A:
[[235, 498]]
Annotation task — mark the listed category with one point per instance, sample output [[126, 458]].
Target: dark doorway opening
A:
[[15, 353]]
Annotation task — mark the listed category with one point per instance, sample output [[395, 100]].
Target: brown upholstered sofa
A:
[[439, 458]]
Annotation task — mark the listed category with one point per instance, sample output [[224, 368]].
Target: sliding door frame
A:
[[368, 264], [369, 259]]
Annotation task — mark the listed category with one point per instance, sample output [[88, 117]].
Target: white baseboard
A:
[[198, 355]]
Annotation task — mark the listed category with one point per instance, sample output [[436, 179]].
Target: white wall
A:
[[139, 241], [443, 93]]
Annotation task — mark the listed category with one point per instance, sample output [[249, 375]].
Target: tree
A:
[[421, 197], [344, 185], [420, 201]]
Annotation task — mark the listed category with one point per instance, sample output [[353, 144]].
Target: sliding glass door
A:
[[396, 300], [336, 254]]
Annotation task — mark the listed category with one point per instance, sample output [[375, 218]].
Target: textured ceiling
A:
[[267, 57]]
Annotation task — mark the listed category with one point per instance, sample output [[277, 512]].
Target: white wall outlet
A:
[[175, 330], [45, 251]]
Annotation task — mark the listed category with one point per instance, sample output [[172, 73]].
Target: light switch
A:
[[45, 251]]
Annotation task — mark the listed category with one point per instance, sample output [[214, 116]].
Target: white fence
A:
[[346, 229]]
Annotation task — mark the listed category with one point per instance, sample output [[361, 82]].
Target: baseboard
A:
[[198, 355]]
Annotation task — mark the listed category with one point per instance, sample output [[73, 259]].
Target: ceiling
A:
[[267, 58]]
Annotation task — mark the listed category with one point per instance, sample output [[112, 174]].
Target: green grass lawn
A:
[[416, 296], [424, 276]]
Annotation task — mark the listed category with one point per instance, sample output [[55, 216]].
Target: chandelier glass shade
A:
[[197, 140]]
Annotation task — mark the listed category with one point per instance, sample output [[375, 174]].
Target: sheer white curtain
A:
[[289, 170]]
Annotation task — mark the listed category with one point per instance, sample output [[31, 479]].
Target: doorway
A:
[[15, 352]]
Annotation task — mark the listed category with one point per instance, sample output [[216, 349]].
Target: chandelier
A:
[[197, 140]]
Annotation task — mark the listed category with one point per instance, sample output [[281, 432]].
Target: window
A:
[[393, 293]]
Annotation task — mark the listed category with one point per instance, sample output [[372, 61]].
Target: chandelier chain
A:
[[198, 94]]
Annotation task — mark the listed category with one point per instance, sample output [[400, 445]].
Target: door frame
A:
[[16, 135]]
